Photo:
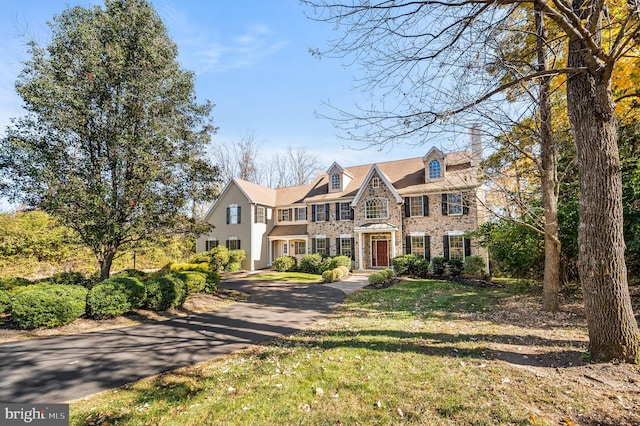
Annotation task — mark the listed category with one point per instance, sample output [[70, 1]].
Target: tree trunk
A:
[[548, 176], [105, 259], [613, 331]]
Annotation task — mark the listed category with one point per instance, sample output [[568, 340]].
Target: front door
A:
[[380, 253]]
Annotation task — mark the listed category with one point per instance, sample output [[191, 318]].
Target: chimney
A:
[[476, 145]]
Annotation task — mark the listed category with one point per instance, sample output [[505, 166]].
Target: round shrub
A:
[[131, 273], [336, 274], [213, 282], [327, 277], [455, 267], [233, 267], [198, 267], [115, 296], [237, 256], [195, 281], [377, 278], [49, 306], [388, 273], [5, 302], [438, 264], [286, 263], [165, 292], [341, 261], [345, 270], [205, 256], [311, 263], [474, 266], [219, 258], [70, 278]]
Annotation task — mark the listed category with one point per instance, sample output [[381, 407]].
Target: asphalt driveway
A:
[[66, 368]]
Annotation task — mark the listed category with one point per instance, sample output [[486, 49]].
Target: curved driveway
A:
[[71, 367]]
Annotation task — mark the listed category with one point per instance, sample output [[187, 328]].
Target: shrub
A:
[[345, 270], [195, 281], [408, 264], [205, 256], [340, 261], [286, 263], [237, 256], [377, 278], [165, 292], [14, 291], [474, 266], [455, 267], [327, 277], [213, 282], [11, 284], [219, 258], [421, 268], [198, 267], [69, 278], [311, 263], [438, 264], [5, 302], [388, 273], [49, 306], [115, 296], [233, 267], [131, 273]]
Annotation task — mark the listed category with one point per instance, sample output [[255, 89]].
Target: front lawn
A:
[[421, 352], [286, 276]]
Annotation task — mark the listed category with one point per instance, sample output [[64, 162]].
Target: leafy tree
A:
[[112, 140], [427, 63]]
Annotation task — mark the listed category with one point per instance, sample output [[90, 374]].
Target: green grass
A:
[[287, 276], [415, 353]]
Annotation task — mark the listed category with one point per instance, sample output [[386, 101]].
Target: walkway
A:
[[71, 367]]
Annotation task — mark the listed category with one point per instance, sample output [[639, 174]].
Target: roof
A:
[[256, 193], [285, 230]]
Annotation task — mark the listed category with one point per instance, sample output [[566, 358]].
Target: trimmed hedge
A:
[[195, 281], [49, 306], [131, 273], [5, 302], [198, 267], [286, 263], [311, 263], [165, 292], [377, 278], [115, 296], [68, 278], [338, 261], [438, 264], [213, 282]]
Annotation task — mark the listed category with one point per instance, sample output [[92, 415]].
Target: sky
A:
[[250, 58]]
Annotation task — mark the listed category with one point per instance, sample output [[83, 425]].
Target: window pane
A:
[[416, 206], [321, 246], [320, 213], [456, 247], [335, 181], [455, 204], [301, 213], [345, 211], [434, 169], [260, 215], [377, 208], [300, 247], [417, 246], [345, 247], [233, 214]]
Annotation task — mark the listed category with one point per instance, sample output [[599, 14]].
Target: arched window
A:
[[434, 169], [377, 208], [335, 181]]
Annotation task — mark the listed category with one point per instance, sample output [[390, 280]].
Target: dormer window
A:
[[435, 169], [375, 182], [335, 181]]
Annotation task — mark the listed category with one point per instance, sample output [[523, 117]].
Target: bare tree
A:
[[239, 159], [427, 65], [302, 165]]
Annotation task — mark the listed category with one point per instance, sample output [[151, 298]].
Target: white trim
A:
[[418, 234], [365, 186], [346, 236], [456, 233]]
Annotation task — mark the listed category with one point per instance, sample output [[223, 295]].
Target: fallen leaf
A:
[[306, 408], [378, 404], [400, 413], [319, 391]]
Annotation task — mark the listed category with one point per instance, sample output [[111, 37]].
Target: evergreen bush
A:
[[165, 292], [49, 306], [5, 302], [474, 266], [311, 263], [115, 296], [198, 267], [438, 265], [377, 278], [286, 263], [219, 258], [327, 277], [195, 281], [213, 282]]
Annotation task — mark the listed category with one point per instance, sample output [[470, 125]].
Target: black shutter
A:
[[291, 215], [328, 241], [425, 205], [351, 213], [338, 247], [445, 244], [227, 242], [313, 246], [445, 207], [465, 203], [337, 211], [427, 247], [239, 215], [326, 214], [238, 244], [407, 207], [228, 214], [467, 247], [353, 249], [306, 213], [407, 249], [313, 213]]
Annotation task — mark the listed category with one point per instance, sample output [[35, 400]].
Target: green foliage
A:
[[70, 278], [233, 267], [108, 88], [340, 261], [377, 278], [131, 273], [205, 256], [455, 266], [388, 273], [237, 256], [213, 282], [311, 263], [286, 263], [327, 277], [219, 258], [115, 296], [345, 270], [438, 265], [195, 281], [5, 302], [49, 306], [199, 267], [474, 266], [165, 292]]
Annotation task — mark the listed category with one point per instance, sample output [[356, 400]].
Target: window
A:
[[435, 169], [285, 248], [233, 243], [210, 244], [420, 245], [320, 212], [344, 211], [375, 182], [345, 247], [284, 215], [300, 247], [456, 247], [261, 217], [416, 206], [233, 214], [417, 246], [452, 205], [377, 208], [322, 246], [301, 213], [335, 181]]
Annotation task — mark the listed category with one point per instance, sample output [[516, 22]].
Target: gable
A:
[[375, 173]]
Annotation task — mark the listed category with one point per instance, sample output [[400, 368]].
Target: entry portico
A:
[[376, 241]]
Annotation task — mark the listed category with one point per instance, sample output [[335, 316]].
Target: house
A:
[[371, 213]]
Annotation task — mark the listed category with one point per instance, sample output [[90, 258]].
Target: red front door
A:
[[380, 253]]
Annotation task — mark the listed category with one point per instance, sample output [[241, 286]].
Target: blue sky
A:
[[251, 59]]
